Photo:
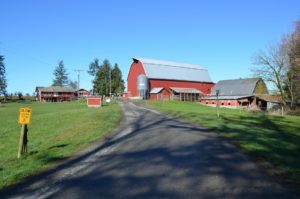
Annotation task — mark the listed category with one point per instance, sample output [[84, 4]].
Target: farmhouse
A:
[[55, 93], [157, 79], [251, 93]]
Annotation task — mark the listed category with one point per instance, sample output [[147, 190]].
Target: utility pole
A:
[[78, 80]]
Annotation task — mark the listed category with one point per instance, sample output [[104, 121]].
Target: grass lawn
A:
[[56, 131], [273, 139]]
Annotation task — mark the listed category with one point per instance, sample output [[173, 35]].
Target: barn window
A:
[[228, 103], [222, 103], [206, 102], [213, 102]]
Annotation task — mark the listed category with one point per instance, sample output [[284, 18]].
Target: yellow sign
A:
[[24, 115]]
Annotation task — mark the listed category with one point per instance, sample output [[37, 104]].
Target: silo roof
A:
[[158, 69]]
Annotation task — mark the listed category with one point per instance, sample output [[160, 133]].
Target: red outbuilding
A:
[[156, 79], [82, 93], [251, 93]]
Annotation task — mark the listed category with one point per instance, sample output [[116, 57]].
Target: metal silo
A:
[[143, 86]]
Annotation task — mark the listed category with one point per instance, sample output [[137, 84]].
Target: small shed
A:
[[273, 101], [159, 93], [82, 93], [185, 94]]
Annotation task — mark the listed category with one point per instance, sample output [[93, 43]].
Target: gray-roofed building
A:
[[158, 69], [185, 94], [238, 93], [55, 93], [166, 74], [159, 93], [240, 87]]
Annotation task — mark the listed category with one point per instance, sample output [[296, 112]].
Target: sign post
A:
[[93, 101], [217, 93], [24, 120]]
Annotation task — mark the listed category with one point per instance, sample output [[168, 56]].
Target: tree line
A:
[[280, 66], [106, 79], [3, 83]]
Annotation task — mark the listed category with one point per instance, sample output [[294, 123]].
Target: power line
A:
[[78, 77], [21, 53]]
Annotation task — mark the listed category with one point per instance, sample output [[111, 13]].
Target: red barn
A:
[[156, 79]]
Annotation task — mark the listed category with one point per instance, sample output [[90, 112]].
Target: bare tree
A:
[[272, 67], [280, 65]]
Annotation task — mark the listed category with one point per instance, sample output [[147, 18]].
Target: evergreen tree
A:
[[101, 82], [61, 75], [94, 67], [93, 70], [3, 83], [117, 81]]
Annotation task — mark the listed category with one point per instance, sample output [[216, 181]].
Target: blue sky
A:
[[220, 35]]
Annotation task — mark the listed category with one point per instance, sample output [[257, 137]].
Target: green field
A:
[[269, 139], [56, 131]]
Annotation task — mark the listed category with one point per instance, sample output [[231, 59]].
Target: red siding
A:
[[233, 103], [164, 94], [56, 96], [203, 87], [136, 69]]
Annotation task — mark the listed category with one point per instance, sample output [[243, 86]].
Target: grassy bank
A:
[[56, 131], [274, 139]]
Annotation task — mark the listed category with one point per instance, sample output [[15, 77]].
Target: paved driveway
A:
[[153, 156]]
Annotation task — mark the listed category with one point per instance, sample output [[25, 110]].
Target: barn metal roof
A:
[[65, 89], [156, 90], [158, 69], [185, 90], [236, 87]]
